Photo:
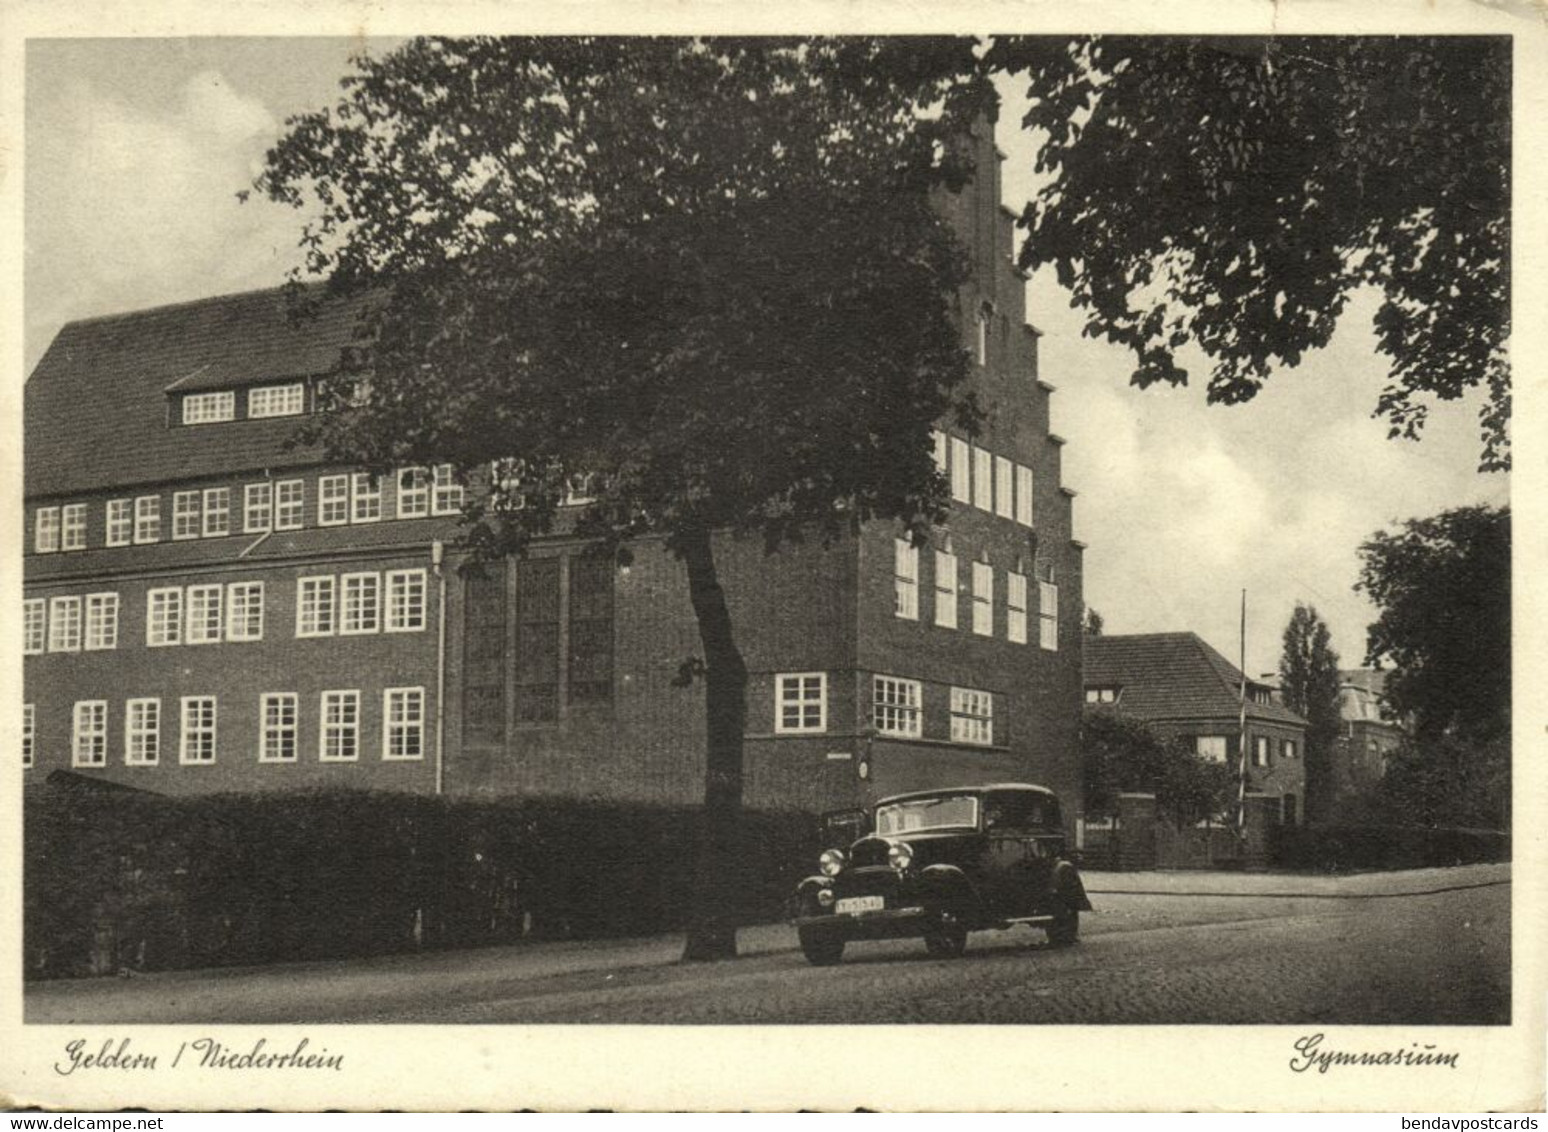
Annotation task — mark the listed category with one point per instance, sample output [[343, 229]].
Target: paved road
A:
[[1173, 949]]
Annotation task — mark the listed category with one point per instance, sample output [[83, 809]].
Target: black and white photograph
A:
[[534, 531]]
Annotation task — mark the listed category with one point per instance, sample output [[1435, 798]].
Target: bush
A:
[[1346, 848], [131, 880]]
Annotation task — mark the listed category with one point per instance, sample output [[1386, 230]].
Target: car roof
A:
[[991, 788]]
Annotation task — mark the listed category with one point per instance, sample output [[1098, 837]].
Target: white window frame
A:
[[947, 598], [446, 494], [288, 400], [119, 522], [88, 734], [101, 618], [1048, 616], [897, 706], [413, 493], [905, 579], [66, 624], [1260, 750], [72, 526], [972, 717], [244, 611], [209, 408], [257, 508], [983, 599], [1004, 487], [320, 584], [186, 515], [365, 498], [333, 507], [1024, 495], [272, 733], [46, 531], [397, 720], [343, 727], [983, 479], [1213, 748], [34, 625], [364, 582], [942, 446], [142, 731], [801, 691], [1016, 607], [961, 470], [29, 735], [204, 614], [399, 586], [289, 513], [147, 519], [217, 512], [192, 729], [170, 599]]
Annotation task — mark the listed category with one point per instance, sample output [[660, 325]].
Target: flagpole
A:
[[1241, 725]]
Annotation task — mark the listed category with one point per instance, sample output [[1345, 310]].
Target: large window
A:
[[366, 501], [277, 400], [244, 611], [289, 502], [185, 514], [209, 408], [1023, 495], [142, 732], [447, 492], [1048, 616], [413, 493], [88, 742], [257, 508], [537, 644], [101, 621], [120, 522], [34, 625], [961, 471], [905, 582], [983, 599], [942, 444], [340, 727], [945, 589], [315, 611], [333, 500], [405, 601], [73, 520], [217, 512], [983, 479], [1215, 748], [800, 703], [45, 530], [896, 706], [591, 630], [1016, 607], [64, 624], [196, 743], [1004, 489], [972, 716], [164, 617], [403, 723], [147, 519], [204, 614], [277, 740], [360, 603], [1260, 751]]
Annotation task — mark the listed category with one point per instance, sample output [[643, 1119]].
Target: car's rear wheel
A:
[[822, 949], [1065, 929], [946, 937]]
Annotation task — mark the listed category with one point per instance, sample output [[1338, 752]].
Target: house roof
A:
[[1173, 676], [97, 405]]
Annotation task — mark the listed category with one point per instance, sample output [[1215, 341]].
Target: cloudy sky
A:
[[136, 150]]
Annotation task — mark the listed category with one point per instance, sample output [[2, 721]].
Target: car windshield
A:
[[949, 811]]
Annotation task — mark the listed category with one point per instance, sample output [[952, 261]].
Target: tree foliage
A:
[[1308, 675], [1119, 754], [1442, 585], [1234, 193]]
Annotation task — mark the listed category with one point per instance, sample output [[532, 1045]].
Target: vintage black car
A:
[[941, 863]]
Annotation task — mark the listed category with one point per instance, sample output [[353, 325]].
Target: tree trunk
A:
[[712, 923]]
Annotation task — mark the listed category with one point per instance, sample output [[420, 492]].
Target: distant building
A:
[[1183, 687], [1366, 739]]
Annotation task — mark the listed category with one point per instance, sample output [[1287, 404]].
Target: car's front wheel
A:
[[1065, 929], [822, 949], [946, 938]]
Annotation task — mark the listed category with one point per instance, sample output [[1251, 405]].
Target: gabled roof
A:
[[97, 405], [1173, 676]]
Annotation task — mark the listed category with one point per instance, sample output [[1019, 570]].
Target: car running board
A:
[[1034, 921]]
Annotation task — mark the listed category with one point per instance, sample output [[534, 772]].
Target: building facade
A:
[[210, 606]]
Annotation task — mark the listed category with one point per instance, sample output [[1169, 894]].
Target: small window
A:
[[333, 500], [905, 570], [64, 624], [983, 479], [209, 408], [801, 703], [983, 599], [405, 601], [244, 611], [961, 471], [340, 727], [120, 522], [142, 732], [73, 519], [196, 745], [289, 502], [45, 530], [580, 488], [413, 493], [101, 621], [1023, 495], [1016, 607], [314, 606], [1287, 749], [447, 492], [403, 723], [29, 734], [1211, 747], [34, 624], [278, 714], [217, 512], [981, 341], [1102, 695], [1004, 490], [147, 519], [1048, 616], [945, 589], [257, 508], [896, 706], [88, 745], [366, 500], [185, 514], [277, 400], [204, 614], [972, 716], [360, 603], [164, 617], [1260, 751]]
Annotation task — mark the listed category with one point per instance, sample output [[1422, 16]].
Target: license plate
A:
[[854, 905]]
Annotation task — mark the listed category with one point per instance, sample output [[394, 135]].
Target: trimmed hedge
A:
[[128, 880], [1345, 848]]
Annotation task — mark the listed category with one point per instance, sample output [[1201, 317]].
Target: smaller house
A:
[[1181, 686]]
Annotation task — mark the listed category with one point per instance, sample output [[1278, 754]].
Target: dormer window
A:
[[277, 400], [1103, 694], [209, 408]]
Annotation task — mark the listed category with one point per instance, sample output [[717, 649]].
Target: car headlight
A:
[[831, 862], [900, 855]]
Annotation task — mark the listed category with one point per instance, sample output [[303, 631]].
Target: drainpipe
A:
[[437, 561]]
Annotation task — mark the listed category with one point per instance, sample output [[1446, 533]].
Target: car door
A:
[[1016, 865]]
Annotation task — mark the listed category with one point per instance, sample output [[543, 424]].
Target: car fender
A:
[[1067, 883], [950, 883], [803, 901]]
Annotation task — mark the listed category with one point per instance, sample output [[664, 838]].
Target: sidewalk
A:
[[1183, 882]]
